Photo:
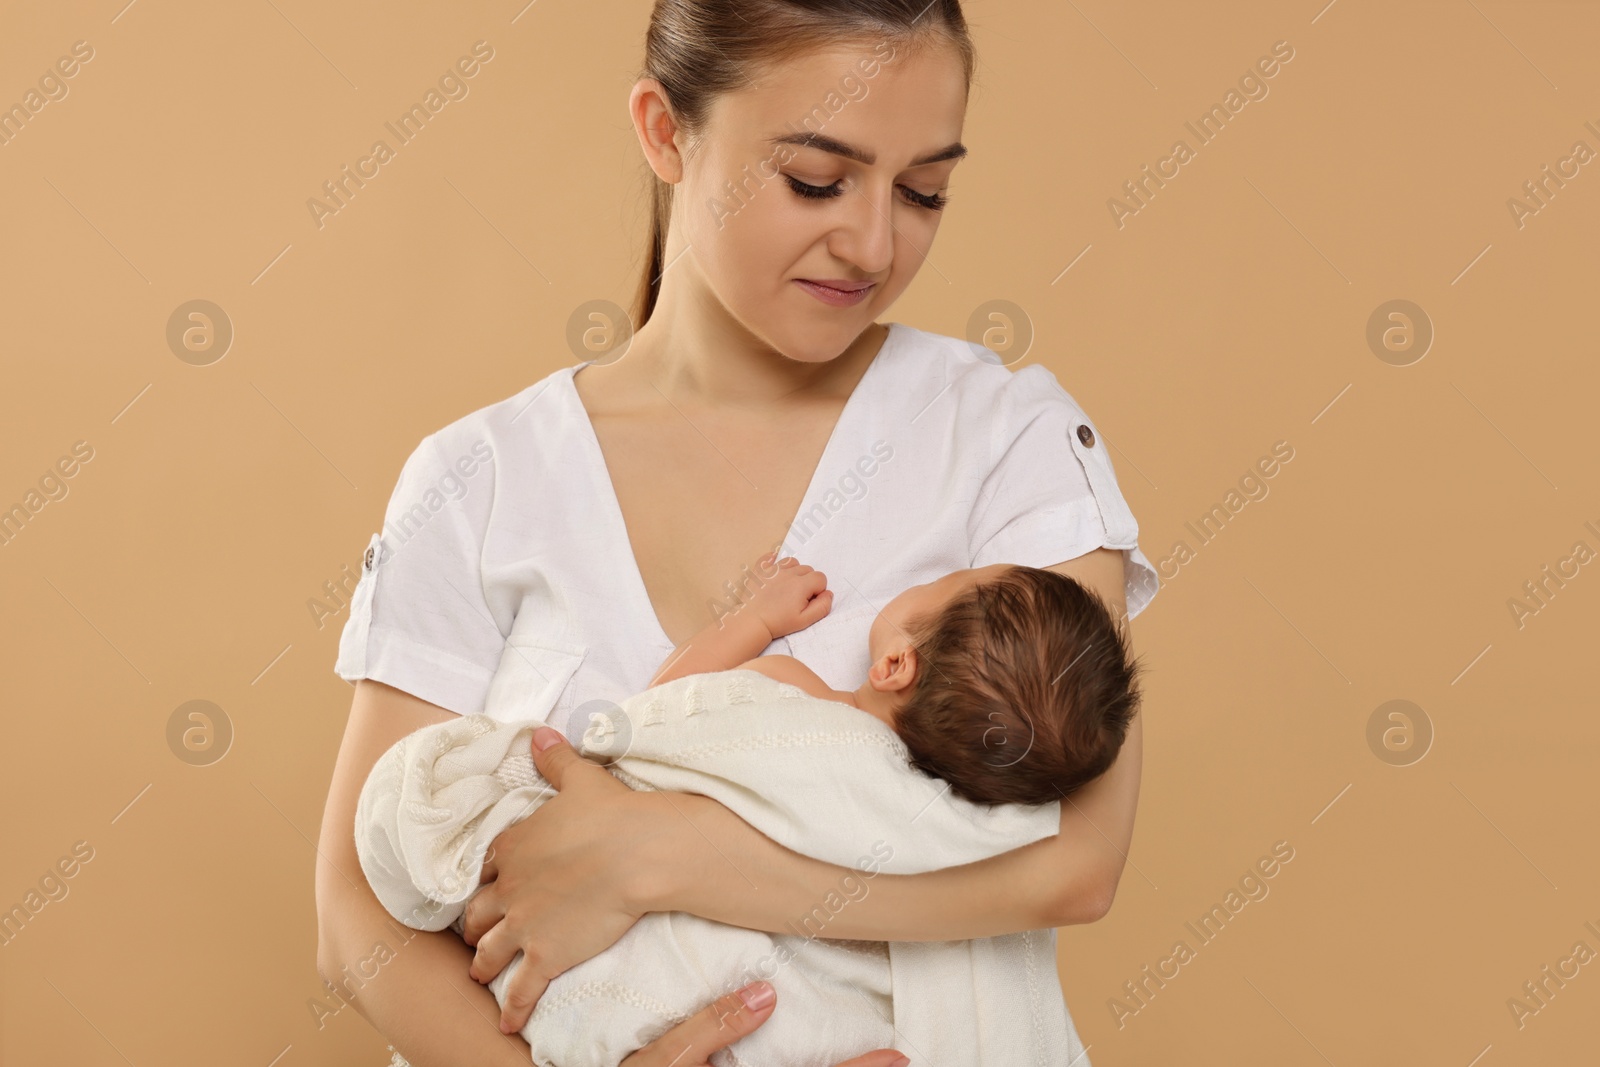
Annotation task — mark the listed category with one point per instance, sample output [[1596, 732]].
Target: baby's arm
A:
[[792, 599]]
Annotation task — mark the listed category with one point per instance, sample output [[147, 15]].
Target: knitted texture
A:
[[820, 777]]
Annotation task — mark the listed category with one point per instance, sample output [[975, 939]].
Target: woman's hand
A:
[[724, 1021], [563, 889]]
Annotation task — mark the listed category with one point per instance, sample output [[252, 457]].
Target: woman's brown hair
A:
[[700, 49]]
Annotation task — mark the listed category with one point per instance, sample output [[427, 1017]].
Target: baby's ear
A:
[[895, 671]]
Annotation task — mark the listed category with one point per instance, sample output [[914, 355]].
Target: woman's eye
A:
[[935, 202], [813, 192]]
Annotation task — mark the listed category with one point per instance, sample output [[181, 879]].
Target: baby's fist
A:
[[794, 597]]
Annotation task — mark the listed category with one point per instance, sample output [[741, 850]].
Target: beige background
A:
[[1227, 315]]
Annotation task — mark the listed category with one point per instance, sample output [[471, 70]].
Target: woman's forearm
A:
[[411, 985], [725, 870]]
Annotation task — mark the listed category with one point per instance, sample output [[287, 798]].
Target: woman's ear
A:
[[657, 128]]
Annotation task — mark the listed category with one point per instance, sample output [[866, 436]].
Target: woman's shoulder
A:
[[982, 381], [534, 415]]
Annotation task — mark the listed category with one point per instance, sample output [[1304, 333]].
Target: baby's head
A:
[[1014, 684]]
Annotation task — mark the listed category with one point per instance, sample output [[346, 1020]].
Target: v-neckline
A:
[[613, 504]]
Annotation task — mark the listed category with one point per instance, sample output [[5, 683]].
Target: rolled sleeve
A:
[[419, 619], [1052, 493]]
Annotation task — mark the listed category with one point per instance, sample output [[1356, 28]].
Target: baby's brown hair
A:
[[1025, 688]]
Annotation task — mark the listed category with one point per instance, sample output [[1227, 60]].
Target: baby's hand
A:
[[792, 599]]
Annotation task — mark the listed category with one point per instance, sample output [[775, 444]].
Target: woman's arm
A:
[[1058, 882], [571, 878], [411, 985], [708, 869], [721, 868]]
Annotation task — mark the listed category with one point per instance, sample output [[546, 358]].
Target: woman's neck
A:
[[725, 366]]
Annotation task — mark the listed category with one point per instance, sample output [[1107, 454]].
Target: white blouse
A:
[[504, 581]]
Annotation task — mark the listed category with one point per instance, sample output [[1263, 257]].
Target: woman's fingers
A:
[[557, 758], [495, 948], [522, 991], [716, 1026], [561, 889], [724, 1021], [483, 911], [883, 1057], [563, 767]]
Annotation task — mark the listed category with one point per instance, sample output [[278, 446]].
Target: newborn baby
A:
[[1011, 684]]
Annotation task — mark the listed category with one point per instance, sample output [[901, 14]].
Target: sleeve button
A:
[[1086, 435], [366, 560]]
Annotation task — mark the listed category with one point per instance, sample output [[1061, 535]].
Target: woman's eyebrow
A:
[[861, 155]]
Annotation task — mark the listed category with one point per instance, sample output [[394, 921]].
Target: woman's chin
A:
[[810, 339]]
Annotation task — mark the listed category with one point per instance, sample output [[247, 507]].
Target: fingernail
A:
[[544, 737], [757, 995], [900, 1062]]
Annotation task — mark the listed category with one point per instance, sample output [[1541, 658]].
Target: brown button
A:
[[367, 559], [1086, 435]]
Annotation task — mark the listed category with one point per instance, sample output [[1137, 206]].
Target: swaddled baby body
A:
[[1011, 684]]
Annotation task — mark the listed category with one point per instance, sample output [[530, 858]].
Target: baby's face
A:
[[892, 627]]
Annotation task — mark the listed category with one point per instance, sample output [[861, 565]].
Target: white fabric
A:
[[503, 547], [503, 582], [820, 777]]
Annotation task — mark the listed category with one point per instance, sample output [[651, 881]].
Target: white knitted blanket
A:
[[819, 777]]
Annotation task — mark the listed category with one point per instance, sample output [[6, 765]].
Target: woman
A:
[[626, 502]]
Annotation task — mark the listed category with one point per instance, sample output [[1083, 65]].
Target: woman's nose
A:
[[871, 228]]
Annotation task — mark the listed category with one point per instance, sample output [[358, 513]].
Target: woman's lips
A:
[[835, 297]]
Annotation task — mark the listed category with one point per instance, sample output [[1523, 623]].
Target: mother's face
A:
[[761, 208]]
